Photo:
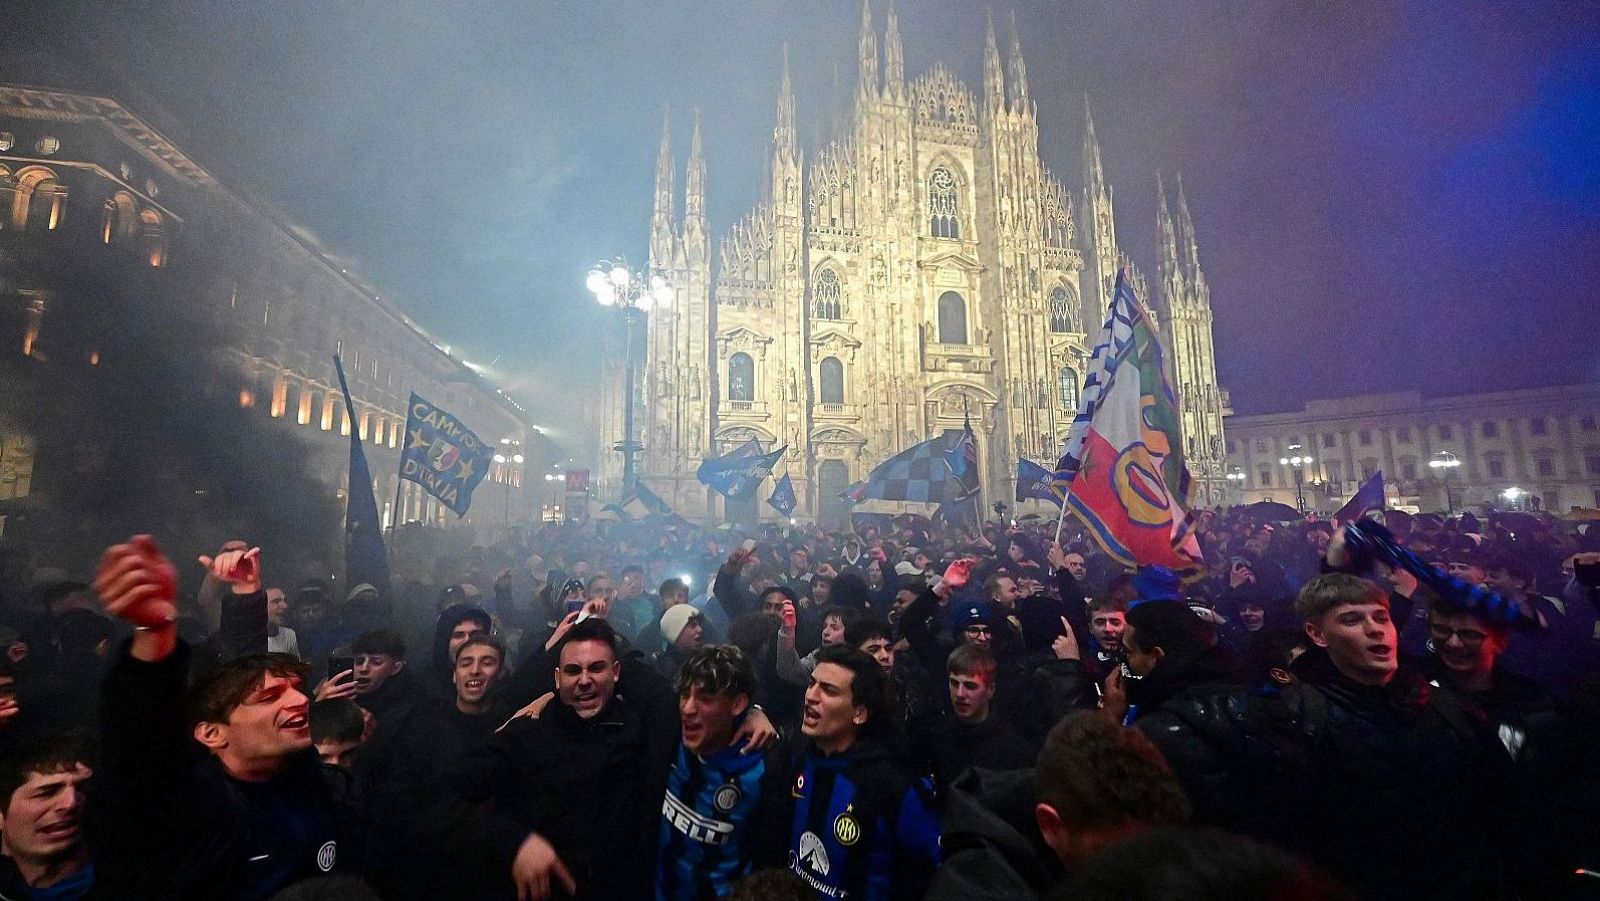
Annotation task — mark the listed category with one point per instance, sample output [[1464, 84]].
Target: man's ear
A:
[[399, 665], [1314, 632], [1050, 827], [860, 715], [741, 703], [213, 735]]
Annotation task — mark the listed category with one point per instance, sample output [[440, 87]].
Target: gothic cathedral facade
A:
[[923, 271]]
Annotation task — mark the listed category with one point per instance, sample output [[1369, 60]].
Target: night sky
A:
[[1387, 196]]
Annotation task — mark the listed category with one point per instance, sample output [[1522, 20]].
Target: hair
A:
[[336, 720], [850, 590], [51, 753], [847, 616], [1514, 567], [60, 591], [1106, 603], [1173, 627], [1448, 606], [1200, 865], [786, 591], [993, 582], [592, 629], [488, 641], [1102, 776], [1332, 590], [718, 670], [381, 641], [219, 692], [971, 660], [865, 629], [869, 688], [673, 585], [632, 568]]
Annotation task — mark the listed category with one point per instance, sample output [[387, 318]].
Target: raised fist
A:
[[138, 584], [238, 567]]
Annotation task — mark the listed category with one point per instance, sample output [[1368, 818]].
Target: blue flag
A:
[[923, 472], [1368, 497], [782, 499], [963, 461], [364, 556], [736, 475], [1036, 483], [442, 455]]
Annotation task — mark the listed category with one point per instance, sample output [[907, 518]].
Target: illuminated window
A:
[[1061, 318], [952, 318], [153, 237], [40, 201], [830, 378], [944, 207], [280, 396], [327, 412], [827, 293], [1068, 378], [741, 378], [394, 432]]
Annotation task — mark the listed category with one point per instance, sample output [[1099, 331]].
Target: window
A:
[[1335, 470], [1328, 440], [1403, 434], [1264, 477], [1061, 318], [1365, 437], [741, 378], [1068, 379], [1491, 429], [1408, 470], [1545, 466], [1497, 467], [830, 379], [943, 205], [1446, 433], [1536, 426], [827, 294], [952, 318]]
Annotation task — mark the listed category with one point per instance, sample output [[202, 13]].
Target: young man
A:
[[480, 665], [1108, 619], [43, 853], [454, 625], [280, 638], [835, 621], [977, 736], [684, 631], [723, 808], [380, 656], [237, 809], [861, 826], [338, 729]]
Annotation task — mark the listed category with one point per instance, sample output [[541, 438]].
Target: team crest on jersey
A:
[[327, 855], [726, 798], [846, 829], [799, 786]]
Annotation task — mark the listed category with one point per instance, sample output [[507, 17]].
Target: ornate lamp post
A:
[[1445, 462], [510, 453], [1298, 463], [1236, 479], [614, 285]]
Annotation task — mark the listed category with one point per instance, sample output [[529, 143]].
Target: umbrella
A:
[[1581, 514], [1515, 521], [1272, 511], [1029, 517]]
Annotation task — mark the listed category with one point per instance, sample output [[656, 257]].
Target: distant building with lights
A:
[[82, 175], [1534, 449], [922, 269]]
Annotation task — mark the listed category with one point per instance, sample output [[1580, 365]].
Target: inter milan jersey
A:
[[706, 821]]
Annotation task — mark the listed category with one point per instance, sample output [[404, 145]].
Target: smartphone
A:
[[338, 664], [748, 545], [575, 605]]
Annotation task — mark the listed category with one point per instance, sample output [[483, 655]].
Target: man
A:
[[480, 665], [41, 821], [455, 625], [380, 658], [247, 814], [835, 621], [722, 807], [673, 592], [861, 827], [633, 611], [338, 729], [977, 735], [1537, 652], [280, 638], [682, 629], [798, 576]]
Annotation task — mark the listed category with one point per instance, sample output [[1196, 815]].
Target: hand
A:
[[788, 617], [827, 571], [503, 580], [532, 710], [959, 572], [536, 862], [340, 685], [17, 652], [1065, 647], [1114, 698], [138, 584], [1239, 575], [1339, 555], [738, 557], [1057, 557], [562, 628], [757, 733], [239, 568]]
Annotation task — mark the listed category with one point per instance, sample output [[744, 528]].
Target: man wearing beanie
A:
[[683, 632]]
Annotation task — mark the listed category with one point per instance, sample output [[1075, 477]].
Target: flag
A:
[[738, 475], [1368, 497], [639, 502], [1124, 461], [442, 455], [364, 557], [961, 514], [921, 473], [854, 492], [1036, 483], [712, 468], [782, 499], [963, 462]]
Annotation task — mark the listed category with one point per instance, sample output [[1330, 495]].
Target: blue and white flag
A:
[[736, 475], [1368, 497], [782, 499], [922, 473], [1035, 483]]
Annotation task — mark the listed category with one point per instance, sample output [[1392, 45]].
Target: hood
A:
[[439, 657], [990, 845]]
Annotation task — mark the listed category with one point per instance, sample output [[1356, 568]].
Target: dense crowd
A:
[[1404, 707]]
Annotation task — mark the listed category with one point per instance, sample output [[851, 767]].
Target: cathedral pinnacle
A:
[[783, 138], [868, 88], [1019, 70], [994, 79], [1191, 251], [1094, 174], [694, 183], [894, 61], [664, 166]]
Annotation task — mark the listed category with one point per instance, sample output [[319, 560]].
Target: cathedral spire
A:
[[1019, 70], [1169, 271], [783, 139], [868, 87], [662, 224], [894, 61], [1094, 172], [1191, 250], [694, 182], [994, 78]]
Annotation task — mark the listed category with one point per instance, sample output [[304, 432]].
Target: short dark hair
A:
[[82, 630], [869, 688], [52, 753], [1100, 775], [219, 692], [969, 659], [1172, 626], [1107, 604], [847, 616], [1331, 590], [718, 670], [993, 582], [337, 720], [383, 641], [673, 585], [865, 629], [592, 629], [488, 641]]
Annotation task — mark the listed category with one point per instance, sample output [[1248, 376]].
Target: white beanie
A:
[[676, 619]]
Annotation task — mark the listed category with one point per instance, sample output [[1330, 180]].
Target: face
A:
[[1014, 551], [372, 670], [921, 561], [477, 670], [832, 631], [1470, 573], [882, 650], [272, 722], [874, 574], [978, 634], [461, 632], [1360, 639], [772, 604], [43, 817], [1462, 643], [632, 584], [1140, 660], [707, 719], [311, 615], [1318, 540], [692, 636], [1504, 582], [338, 753], [1107, 627], [1076, 566], [821, 591], [277, 607], [601, 587], [831, 716], [799, 560], [1005, 592], [1252, 617], [970, 696], [586, 677]]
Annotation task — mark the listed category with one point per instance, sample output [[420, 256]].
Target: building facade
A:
[[923, 270], [1535, 449], [84, 180]]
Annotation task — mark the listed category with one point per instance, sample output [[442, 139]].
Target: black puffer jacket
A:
[[990, 844]]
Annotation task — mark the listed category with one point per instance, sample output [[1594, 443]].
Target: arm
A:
[[726, 587], [787, 661], [915, 628]]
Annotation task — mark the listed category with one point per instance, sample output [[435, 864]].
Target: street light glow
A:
[[619, 276]]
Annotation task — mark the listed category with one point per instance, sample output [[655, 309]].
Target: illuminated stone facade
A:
[[921, 269]]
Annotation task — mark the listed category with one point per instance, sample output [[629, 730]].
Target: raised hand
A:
[[339, 685], [138, 584], [238, 567], [1065, 647]]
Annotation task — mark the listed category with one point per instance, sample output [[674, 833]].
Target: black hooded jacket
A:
[[991, 845]]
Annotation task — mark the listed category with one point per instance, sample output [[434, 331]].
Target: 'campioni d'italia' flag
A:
[[1124, 455]]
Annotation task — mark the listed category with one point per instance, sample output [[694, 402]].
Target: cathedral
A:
[[922, 271]]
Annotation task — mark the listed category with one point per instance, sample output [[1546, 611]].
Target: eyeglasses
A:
[[977, 630], [1441, 634]]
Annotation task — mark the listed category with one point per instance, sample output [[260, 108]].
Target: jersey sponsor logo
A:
[[846, 829], [799, 790], [726, 798], [812, 853], [327, 855], [701, 829]]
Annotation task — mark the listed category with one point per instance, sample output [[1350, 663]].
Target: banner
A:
[[442, 455], [1035, 483], [364, 557], [738, 474], [783, 499]]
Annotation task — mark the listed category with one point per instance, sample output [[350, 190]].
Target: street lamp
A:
[[1298, 462], [1445, 462], [1236, 477], [1514, 495], [613, 284]]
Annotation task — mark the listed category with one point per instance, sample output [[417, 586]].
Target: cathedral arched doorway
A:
[[832, 478]]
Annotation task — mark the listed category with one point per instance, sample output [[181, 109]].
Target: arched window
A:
[[952, 318], [741, 378], [153, 237], [827, 294], [944, 207], [40, 201], [830, 380], [1069, 389], [122, 219], [1061, 318]]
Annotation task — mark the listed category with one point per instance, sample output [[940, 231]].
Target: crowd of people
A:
[[1403, 707]]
